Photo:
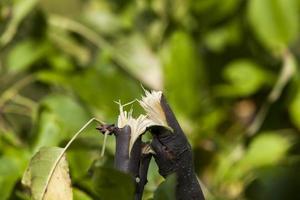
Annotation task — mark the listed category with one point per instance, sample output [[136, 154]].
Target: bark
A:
[[174, 155], [134, 162]]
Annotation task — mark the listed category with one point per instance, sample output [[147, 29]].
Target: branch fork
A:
[[169, 146]]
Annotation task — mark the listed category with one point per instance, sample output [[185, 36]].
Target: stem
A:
[[24, 101], [16, 19], [80, 131], [134, 162], [288, 68], [121, 161], [143, 171], [65, 149], [14, 89], [104, 143]]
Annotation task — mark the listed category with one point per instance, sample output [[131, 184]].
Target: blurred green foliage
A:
[[228, 68]]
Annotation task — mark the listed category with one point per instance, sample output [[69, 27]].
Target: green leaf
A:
[[79, 195], [112, 184], [13, 161], [9, 174], [67, 110], [218, 39], [47, 175], [48, 131], [103, 20], [26, 53], [183, 73], [80, 161], [238, 164], [266, 149], [100, 88], [245, 77], [216, 10], [166, 190], [51, 77], [275, 22]]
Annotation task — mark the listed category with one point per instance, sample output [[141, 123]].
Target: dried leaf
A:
[[47, 175]]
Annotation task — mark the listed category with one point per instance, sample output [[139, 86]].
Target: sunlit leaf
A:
[[47, 176], [52, 78], [267, 148], [102, 20], [218, 39], [245, 77], [26, 53], [79, 195], [214, 9], [275, 22]]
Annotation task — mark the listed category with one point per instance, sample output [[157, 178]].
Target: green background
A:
[[228, 69]]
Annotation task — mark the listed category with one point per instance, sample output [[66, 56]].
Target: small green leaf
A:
[[47, 177], [166, 190], [218, 39], [275, 22], [24, 54], [245, 77], [79, 195], [266, 149], [215, 9]]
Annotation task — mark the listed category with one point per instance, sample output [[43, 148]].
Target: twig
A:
[[21, 10], [14, 89], [104, 143], [24, 101], [135, 162], [288, 68], [143, 172]]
